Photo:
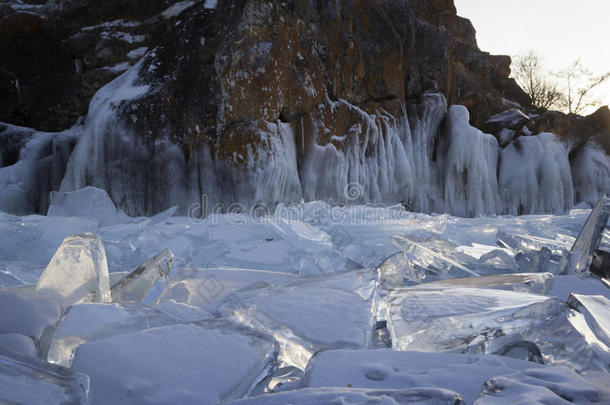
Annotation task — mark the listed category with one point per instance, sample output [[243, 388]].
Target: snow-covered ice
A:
[[208, 362], [552, 385], [462, 373]]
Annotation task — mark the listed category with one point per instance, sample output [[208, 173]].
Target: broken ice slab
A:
[[544, 385], [90, 322], [578, 261], [204, 363], [383, 369], [19, 344], [305, 316], [535, 283], [596, 311], [442, 262], [398, 271], [26, 312], [137, 285], [497, 260], [530, 245], [160, 217], [183, 312], [86, 202], [78, 271], [568, 341], [454, 319], [27, 380], [206, 288], [342, 395], [541, 262]]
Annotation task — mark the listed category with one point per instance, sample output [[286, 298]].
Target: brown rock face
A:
[[576, 130], [54, 58], [255, 60]]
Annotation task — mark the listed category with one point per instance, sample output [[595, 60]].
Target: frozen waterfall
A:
[[429, 158]]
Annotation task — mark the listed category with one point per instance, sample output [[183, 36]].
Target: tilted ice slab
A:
[[531, 245], [594, 323], [382, 369], [205, 363], [340, 395], [535, 283], [543, 386], [90, 322], [86, 202], [581, 255], [206, 288], [27, 380], [448, 319], [136, 286], [78, 271], [326, 312], [437, 265]]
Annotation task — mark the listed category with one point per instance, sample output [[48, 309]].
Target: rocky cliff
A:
[[256, 101]]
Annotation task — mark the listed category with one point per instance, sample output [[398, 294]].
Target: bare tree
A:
[[531, 75], [579, 85]]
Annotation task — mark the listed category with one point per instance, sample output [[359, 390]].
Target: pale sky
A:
[[559, 30]]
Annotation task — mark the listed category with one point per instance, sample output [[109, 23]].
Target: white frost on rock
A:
[[78, 271], [207, 363], [176, 9]]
